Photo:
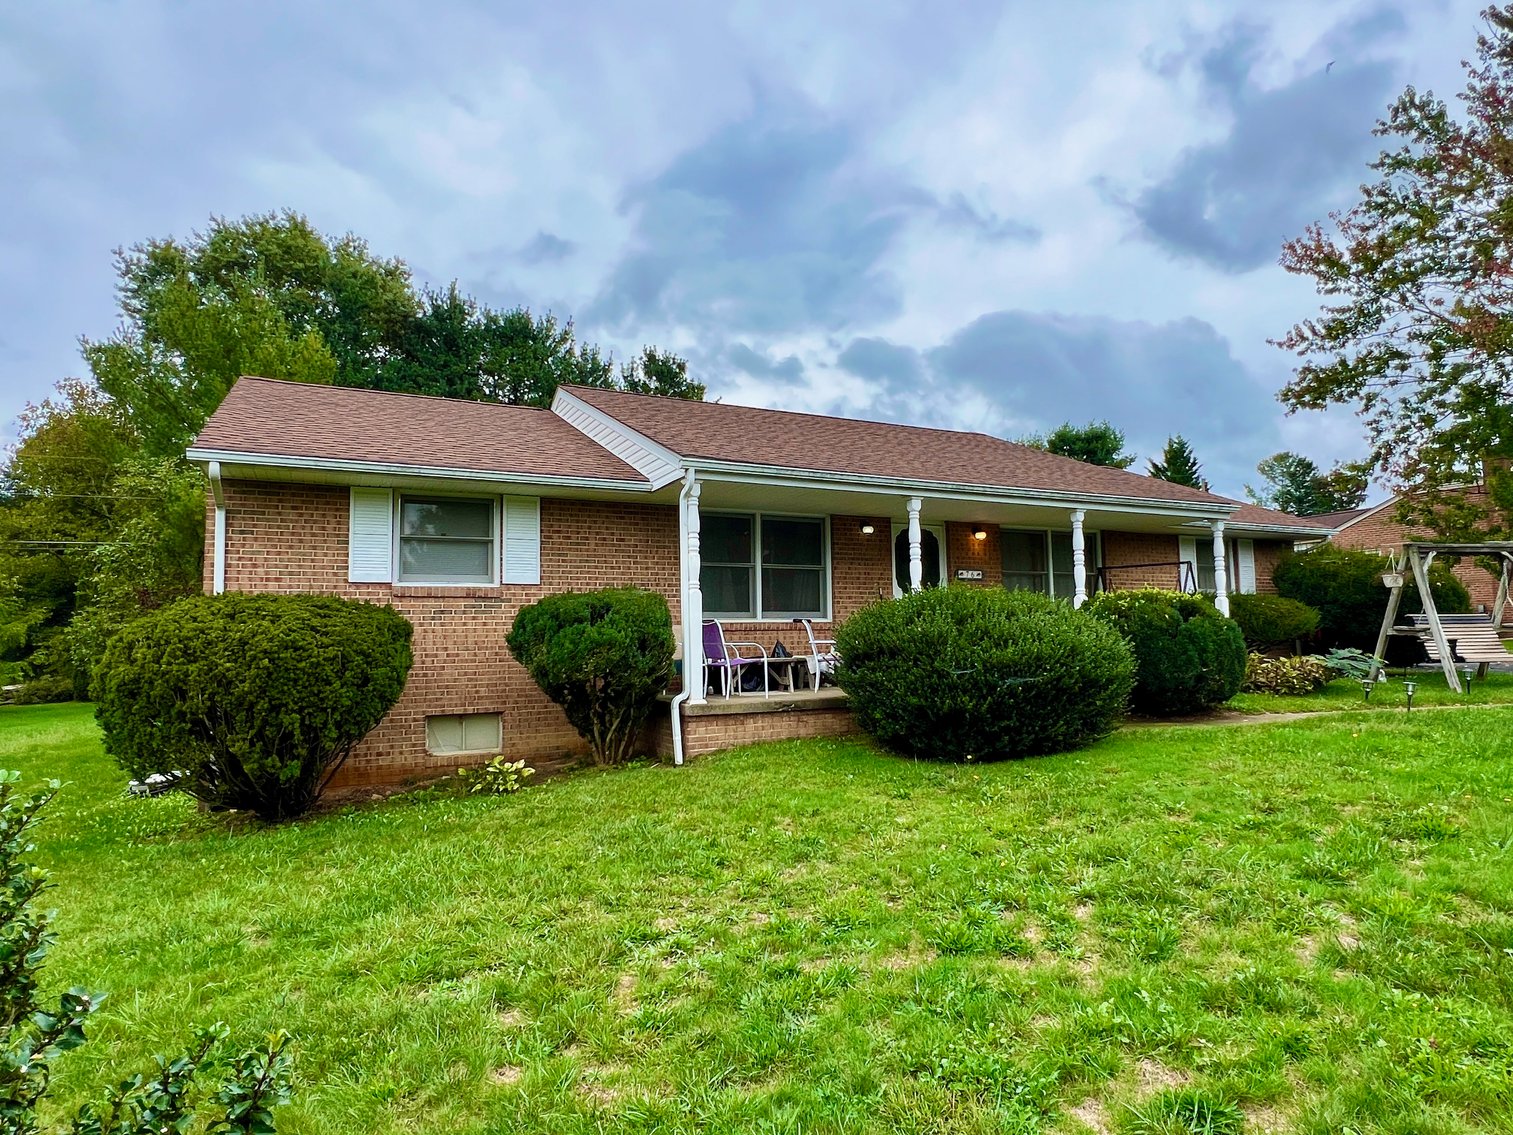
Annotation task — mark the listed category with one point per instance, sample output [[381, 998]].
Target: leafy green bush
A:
[[1345, 586], [1270, 621], [603, 656], [500, 777], [959, 673], [1188, 657], [258, 698], [49, 688], [1290, 676], [34, 1034]]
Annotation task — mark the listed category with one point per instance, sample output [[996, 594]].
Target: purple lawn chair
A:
[[727, 658]]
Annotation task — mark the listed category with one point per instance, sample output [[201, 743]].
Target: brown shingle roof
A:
[[789, 440], [1254, 514], [337, 423], [1344, 516]]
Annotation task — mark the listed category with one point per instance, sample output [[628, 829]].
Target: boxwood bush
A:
[[959, 673], [258, 699], [1345, 586], [603, 656], [1188, 657], [1270, 621]]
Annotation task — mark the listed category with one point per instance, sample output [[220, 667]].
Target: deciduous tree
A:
[[1097, 443], [1295, 484], [1416, 331]]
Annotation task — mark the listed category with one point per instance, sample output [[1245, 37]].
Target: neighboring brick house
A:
[[459, 513], [1378, 529]]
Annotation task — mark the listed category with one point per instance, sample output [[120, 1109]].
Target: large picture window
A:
[[754, 566], [447, 540], [1207, 577], [1035, 559]]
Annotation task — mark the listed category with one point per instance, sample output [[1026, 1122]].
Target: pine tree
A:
[[1178, 464]]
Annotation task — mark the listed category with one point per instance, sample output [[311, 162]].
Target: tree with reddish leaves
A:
[[1416, 330]]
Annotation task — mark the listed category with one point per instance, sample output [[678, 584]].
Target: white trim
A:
[[956, 490], [658, 464], [756, 516], [323, 464], [1187, 552], [495, 543]]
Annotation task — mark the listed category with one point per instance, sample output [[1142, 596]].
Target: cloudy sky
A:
[[994, 216]]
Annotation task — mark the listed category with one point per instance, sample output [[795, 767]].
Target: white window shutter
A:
[[522, 540], [370, 536], [1245, 569], [1188, 553]]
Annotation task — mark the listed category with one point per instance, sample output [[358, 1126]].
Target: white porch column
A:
[[916, 556], [1079, 560], [693, 603], [1221, 574]]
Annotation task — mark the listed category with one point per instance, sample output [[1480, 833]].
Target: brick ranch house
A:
[[459, 513], [1378, 529]]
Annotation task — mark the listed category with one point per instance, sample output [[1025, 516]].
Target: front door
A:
[[932, 551]]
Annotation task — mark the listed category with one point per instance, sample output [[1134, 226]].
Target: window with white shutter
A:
[[1188, 554], [1245, 566], [370, 536], [522, 540]]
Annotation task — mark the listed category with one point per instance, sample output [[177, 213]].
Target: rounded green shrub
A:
[[1345, 586], [258, 699], [603, 656], [1188, 657], [1270, 621], [959, 673]]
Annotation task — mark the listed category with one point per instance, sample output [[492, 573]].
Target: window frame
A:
[[1231, 565], [496, 549], [758, 615], [1092, 539]]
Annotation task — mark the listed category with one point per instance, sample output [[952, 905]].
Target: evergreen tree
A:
[[1178, 464]]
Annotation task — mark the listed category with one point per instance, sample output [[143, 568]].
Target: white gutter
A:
[[329, 465], [956, 490], [217, 490], [682, 695]]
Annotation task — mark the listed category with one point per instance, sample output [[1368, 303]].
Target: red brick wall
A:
[[1383, 533], [1120, 548], [1269, 554], [294, 538], [711, 732], [963, 551]]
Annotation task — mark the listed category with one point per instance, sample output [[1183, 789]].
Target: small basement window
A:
[[464, 733]]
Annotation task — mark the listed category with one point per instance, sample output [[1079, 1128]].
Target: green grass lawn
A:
[[1302, 927], [1346, 693]]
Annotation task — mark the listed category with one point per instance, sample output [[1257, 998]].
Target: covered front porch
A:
[[758, 554]]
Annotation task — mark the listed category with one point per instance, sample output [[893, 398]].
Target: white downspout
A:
[[682, 695], [217, 490]]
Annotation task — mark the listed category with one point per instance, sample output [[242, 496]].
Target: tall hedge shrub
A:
[[1188, 657], [258, 699], [959, 673], [1345, 586], [603, 656], [1271, 621]]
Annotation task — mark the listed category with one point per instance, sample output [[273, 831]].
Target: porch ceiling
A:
[[719, 495]]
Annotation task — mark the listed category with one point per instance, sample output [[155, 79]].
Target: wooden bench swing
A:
[[1448, 639]]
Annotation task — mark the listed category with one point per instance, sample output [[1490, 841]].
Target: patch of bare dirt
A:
[[1151, 1076], [624, 995], [1265, 1120], [511, 1018], [506, 1074], [1093, 1115], [899, 960]]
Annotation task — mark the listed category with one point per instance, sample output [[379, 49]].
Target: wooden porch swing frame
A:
[[1417, 557]]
